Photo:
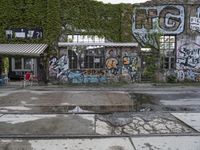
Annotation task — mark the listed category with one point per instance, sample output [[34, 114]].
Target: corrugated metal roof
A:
[[65, 44], [23, 49]]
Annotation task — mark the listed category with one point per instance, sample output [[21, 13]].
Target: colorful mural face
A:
[[118, 62], [112, 61], [195, 21], [167, 19]]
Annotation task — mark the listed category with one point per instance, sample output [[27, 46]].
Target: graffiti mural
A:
[[112, 61], [195, 21], [188, 62], [116, 63], [167, 19], [188, 56], [82, 76], [130, 64], [192, 75], [59, 69]]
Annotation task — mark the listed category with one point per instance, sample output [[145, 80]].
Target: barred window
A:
[[94, 59], [72, 59]]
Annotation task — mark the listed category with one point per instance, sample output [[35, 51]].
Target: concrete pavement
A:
[[26, 101], [191, 119], [167, 143], [44, 100], [120, 143], [73, 125], [161, 118]]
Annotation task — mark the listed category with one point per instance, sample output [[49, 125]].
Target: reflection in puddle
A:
[[78, 109]]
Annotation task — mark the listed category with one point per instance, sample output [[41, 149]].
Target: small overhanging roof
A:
[[65, 44], [22, 49]]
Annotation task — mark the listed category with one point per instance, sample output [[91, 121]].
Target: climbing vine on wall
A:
[[91, 17], [114, 22], [21, 14], [151, 61], [53, 21]]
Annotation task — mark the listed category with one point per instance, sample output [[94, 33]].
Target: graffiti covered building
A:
[[173, 27], [95, 62]]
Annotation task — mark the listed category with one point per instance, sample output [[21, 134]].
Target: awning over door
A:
[[22, 49]]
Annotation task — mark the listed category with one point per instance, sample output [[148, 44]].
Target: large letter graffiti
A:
[[195, 21], [144, 18], [188, 62], [170, 19], [147, 21]]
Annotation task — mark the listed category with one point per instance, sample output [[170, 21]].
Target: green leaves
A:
[[88, 16], [97, 18], [53, 21]]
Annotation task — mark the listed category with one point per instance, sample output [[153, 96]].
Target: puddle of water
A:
[[143, 102]]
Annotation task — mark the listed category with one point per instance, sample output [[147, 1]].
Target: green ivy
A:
[[114, 22], [53, 21], [151, 66], [91, 17]]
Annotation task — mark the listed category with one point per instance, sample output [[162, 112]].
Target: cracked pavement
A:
[[100, 119], [140, 124]]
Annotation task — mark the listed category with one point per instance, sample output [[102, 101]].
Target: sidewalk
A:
[[92, 125], [121, 143], [90, 132], [77, 128]]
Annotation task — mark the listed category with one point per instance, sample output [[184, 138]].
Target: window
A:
[[72, 59], [93, 62], [18, 63], [167, 50], [167, 43], [94, 59], [27, 63], [169, 63]]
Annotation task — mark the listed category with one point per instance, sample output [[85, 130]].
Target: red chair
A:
[[28, 78]]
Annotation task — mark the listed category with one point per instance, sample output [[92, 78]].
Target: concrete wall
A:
[[179, 18]]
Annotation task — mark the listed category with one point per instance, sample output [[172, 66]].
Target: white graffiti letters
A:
[[195, 22], [192, 75], [188, 56]]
